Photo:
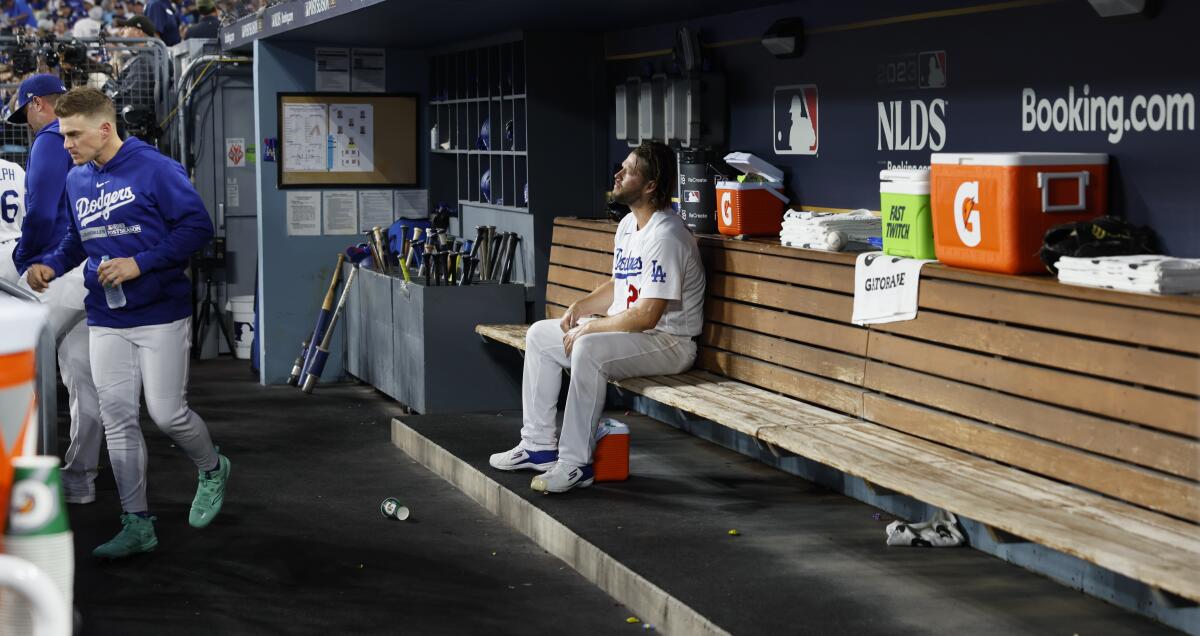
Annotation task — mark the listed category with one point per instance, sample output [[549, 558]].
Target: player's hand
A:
[[116, 271], [574, 334], [39, 276], [570, 319]]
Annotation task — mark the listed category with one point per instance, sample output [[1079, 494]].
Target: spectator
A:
[[166, 22], [18, 12], [89, 27], [209, 23]]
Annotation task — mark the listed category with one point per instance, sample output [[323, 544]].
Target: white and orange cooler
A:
[[751, 207], [990, 210], [610, 460]]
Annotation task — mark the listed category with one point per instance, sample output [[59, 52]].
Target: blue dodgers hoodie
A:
[[47, 214], [139, 204]]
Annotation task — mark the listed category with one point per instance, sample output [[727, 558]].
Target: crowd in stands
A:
[[84, 18]]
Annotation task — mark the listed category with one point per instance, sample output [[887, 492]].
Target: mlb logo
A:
[[932, 67], [691, 196], [796, 115]]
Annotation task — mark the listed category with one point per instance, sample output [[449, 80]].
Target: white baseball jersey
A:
[[660, 260], [12, 200]]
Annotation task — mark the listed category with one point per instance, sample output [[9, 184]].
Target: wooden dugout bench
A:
[[1063, 415]]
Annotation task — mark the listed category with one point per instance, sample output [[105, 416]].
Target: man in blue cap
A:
[[47, 215]]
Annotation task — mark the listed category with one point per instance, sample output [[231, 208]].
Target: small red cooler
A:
[[751, 208], [990, 210], [610, 460]]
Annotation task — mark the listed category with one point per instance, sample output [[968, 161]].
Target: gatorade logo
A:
[[727, 208], [966, 213], [32, 506]]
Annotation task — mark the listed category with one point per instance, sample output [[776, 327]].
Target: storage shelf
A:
[[494, 153], [492, 206], [475, 100]]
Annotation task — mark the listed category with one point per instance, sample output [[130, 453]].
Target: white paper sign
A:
[[305, 138], [352, 127], [375, 208], [304, 213], [333, 69], [233, 194], [885, 288], [235, 152], [341, 211], [412, 204], [368, 70]]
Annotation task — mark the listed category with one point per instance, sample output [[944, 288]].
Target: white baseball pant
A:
[[64, 299], [595, 359], [153, 358]]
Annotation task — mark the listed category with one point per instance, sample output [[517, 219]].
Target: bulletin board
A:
[[347, 139]]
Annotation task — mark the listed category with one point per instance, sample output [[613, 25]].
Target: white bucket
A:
[[242, 308]]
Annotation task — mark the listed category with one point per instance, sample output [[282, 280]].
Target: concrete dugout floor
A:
[[301, 548], [807, 561]]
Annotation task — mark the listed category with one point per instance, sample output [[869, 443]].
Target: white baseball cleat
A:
[[522, 459], [563, 477]]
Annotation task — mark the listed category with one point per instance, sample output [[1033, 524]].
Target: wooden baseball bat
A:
[[323, 318], [321, 353]]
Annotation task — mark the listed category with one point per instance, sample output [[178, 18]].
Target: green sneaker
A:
[[210, 494], [136, 536]]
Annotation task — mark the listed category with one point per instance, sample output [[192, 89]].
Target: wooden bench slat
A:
[[1143, 446], [1146, 488], [583, 239], [511, 335], [829, 364], [995, 496], [564, 296], [830, 335], [555, 311], [600, 225], [581, 259], [1118, 401], [1130, 364], [817, 390], [576, 278], [827, 276], [795, 412], [798, 299], [1110, 322]]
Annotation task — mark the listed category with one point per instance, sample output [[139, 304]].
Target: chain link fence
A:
[[134, 72]]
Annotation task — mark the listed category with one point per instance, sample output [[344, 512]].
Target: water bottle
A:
[[114, 295]]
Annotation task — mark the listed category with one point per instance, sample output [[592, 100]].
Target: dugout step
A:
[[803, 559]]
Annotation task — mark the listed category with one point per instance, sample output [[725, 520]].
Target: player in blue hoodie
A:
[[136, 219]]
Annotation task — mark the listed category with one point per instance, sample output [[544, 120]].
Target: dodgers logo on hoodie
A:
[[101, 207]]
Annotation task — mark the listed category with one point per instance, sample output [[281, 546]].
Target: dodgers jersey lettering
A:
[[661, 260], [12, 200]]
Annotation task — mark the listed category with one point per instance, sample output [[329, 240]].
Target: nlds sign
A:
[[912, 125]]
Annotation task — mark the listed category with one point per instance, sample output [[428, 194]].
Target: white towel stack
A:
[[828, 231], [1139, 273]]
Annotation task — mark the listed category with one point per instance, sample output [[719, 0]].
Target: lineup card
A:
[[352, 138]]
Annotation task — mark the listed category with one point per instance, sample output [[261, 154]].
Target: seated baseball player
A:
[[641, 322]]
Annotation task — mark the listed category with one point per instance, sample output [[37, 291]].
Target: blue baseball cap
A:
[[34, 86]]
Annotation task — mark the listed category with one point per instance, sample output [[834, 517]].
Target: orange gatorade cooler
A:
[[20, 325], [990, 210], [752, 207], [610, 461]]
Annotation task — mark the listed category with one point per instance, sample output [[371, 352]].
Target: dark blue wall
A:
[[991, 58]]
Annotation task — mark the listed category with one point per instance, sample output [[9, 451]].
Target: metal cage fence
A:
[[134, 72]]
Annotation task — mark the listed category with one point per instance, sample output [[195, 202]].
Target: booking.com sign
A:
[[797, 115]]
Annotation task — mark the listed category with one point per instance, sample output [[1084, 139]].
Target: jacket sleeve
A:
[[46, 183], [68, 254], [188, 225]]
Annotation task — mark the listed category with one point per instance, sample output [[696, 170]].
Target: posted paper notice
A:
[[333, 69], [305, 138], [352, 128], [375, 209], [341, 211], [304, 213]]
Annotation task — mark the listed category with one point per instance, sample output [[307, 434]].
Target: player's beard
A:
[[626, 196]]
